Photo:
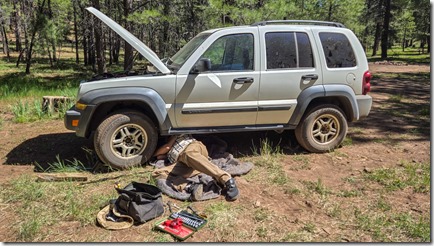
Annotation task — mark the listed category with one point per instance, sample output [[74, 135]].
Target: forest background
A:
[[45, 28]]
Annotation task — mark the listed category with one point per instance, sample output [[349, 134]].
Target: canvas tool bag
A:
[[141, 201]]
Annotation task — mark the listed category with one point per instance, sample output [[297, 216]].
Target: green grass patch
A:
[[60, 166], [393, 226], [42, 204], [302, 162], [349, 193], [425, 111], [317, 187], [395, 98], [268, 156], [409, 56], [29, 111], [222, 218], [415, 175], [347, 141]]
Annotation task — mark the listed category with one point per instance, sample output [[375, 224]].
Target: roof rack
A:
[[311, 22]]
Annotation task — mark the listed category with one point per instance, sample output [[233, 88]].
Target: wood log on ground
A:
[[55, 177]]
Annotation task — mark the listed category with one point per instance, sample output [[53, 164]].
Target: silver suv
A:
[[308, 76]]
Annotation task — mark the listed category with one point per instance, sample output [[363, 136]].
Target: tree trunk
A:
[[100, 59], [6, 43], [128, 57], [367, 28], [84, 31], [403, 38], [91, 45], [329, 16], [16, 23], [49, 55], [163, 43], [52, 41], [26, 36], [36, 27], [77, 57], [376, 39], [385, 34]]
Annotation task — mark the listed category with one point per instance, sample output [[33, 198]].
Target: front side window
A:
[[288, 50], [185, 52], [337, 50], [231, 52]]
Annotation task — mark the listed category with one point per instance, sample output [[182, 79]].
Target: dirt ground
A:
[[381, 140]]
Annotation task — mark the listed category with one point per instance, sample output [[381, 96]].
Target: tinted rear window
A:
[[337, 50], [288, 50]]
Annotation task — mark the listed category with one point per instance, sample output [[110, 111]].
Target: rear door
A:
[[289, 66]]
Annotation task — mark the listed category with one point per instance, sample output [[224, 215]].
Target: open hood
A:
[[132, 40]]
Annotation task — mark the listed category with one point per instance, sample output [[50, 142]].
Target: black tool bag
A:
[[142, 202]]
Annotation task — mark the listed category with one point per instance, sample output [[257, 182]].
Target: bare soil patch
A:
[[315, 205]]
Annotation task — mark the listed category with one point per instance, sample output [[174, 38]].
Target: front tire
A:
[[125, 139], [322, 129]]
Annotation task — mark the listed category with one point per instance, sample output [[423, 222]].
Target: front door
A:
[[226, 95]]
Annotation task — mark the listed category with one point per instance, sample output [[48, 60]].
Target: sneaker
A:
[[197, 192], [231, 190]]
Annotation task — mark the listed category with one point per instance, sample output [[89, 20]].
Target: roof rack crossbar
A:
[[312, 22]]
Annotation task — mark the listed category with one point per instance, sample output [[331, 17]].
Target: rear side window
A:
[[288, 50], [337, 50]]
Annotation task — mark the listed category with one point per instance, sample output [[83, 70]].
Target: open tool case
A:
[[181, 224]]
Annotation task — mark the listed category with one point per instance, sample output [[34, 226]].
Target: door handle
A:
[[309, 77], [243, 80]]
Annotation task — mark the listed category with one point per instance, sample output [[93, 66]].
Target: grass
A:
[[317, 187], [395, 98], [61, 165], [268, 156], [42, 204], [415, 175], [385, 226], [21, 94], [408, 56], [302, 162]]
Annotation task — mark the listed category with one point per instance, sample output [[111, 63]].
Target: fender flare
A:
[[325, 91], [147, 96]]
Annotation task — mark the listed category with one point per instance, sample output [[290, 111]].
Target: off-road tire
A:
[[322, 129], [125, 139]]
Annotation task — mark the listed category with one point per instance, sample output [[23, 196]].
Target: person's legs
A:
[[196, 157], [177, 174]]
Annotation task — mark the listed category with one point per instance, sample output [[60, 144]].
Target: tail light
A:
[[366, 82]]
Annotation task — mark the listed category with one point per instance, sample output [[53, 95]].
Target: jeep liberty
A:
[[307, 76]]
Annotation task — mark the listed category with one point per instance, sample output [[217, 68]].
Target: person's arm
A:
[[161, 152]]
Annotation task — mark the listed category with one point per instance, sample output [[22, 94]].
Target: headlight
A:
[[80, 106]]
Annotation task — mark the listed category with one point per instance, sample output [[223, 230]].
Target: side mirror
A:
[[204, 64]]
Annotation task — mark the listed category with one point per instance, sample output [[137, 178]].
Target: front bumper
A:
[[78, 121], [72, 116]]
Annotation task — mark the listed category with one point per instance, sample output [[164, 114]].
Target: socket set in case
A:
[[191, 220]]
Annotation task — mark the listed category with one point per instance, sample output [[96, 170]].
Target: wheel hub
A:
[[325, 129], [128, 141]]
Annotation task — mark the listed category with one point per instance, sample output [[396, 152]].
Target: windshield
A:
[[185, 52]]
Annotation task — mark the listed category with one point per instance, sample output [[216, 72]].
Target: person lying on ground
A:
[[189, 157]]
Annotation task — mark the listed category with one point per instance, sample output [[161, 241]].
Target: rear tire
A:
[[322, 129], [125, 139]]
